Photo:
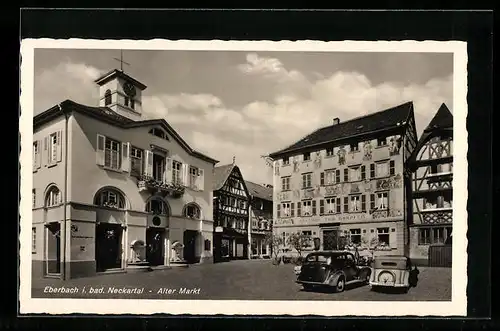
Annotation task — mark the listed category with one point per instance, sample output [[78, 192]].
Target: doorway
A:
[[159, 167], [53, 252], [330, 240], [154, 243], [108, 247], [190, 246]]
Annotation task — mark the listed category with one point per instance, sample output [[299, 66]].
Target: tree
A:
[[299, 241], [274, 242]]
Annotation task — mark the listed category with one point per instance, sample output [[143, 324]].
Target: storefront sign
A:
[[219, 229]]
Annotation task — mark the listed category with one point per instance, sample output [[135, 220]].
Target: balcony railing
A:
[[148, 183]]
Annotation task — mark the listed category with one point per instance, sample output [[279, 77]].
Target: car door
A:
[[350, 268]]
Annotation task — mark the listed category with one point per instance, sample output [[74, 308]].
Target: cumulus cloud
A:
[[261, 127]]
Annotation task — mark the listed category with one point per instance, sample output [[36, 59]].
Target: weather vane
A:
[[121, 60]]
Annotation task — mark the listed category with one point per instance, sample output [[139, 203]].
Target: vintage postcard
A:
[[243, 178]]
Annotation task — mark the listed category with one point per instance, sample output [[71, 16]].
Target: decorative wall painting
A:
[[341, 154], [367, 147], [296, 167], [394, 145], [276, 168], [317, 160]]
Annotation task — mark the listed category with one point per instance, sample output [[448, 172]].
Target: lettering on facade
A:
[[286, 221], [367, 147], [390, 183], [341, 154], [379, 214]]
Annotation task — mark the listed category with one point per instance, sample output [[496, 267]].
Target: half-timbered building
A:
[[348, 182], [261, 218], [432, 167], [230, 206], [113, 191]]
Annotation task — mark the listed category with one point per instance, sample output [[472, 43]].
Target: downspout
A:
[[65, 203]]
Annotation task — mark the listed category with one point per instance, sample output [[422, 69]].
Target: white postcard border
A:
[[456, 307]]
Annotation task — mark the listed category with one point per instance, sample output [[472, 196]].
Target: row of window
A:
[[261, 225], [231, 222], [113, 199], [434, 235], [354, 235], [121, 156], [353, 147], [47, 151], [335, 205], [350, 174]]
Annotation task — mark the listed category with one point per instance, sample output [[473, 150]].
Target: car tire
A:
[[340, 286]]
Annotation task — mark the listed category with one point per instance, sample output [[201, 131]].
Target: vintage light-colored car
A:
[[334, 269], [393, 271]]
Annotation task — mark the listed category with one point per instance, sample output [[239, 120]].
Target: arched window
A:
[[157, 206], [53, 197], [192, 211], [107, 97], [110, 198]]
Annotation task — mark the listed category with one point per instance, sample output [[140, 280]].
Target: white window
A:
[[285, 183], [110, 198], [330, 206], [383, 236], [192, 211], [112, 154], [330, 177], [53, 197], [193, 176], [33, 192], [307, 180], [33, 240], [355, 236], [285, 209], [382, 200], [307, 208], [176, 172], [136, 162], [382, 169], [355, 174], [355, 203]]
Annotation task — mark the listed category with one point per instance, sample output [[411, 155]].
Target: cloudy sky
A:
[[248, 104]]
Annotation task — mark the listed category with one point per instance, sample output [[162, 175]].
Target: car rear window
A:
[[389, 264]]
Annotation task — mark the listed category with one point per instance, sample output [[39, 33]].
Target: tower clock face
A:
[[129, 89]]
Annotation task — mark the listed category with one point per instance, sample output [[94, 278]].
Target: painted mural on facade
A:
[[341, 154], [394, 145], [367, 148]]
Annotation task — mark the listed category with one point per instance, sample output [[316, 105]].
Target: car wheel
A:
[[340, 287]]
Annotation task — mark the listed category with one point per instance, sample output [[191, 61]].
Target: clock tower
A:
[[121, 93]]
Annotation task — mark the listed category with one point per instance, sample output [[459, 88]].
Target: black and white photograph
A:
[[224, 177]]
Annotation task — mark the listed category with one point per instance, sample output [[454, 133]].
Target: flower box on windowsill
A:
[[149, 183]]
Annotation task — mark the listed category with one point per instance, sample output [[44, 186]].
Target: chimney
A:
[[336, 121]]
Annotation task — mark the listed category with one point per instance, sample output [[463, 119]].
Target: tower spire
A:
[[121, 60]]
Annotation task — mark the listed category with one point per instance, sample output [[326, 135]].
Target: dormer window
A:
[[329, 151], [382, 141], [107, 97], [158, 132], [307, 156], [286, 160], [354, 147]]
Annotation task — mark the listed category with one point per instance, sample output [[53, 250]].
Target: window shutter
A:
[[101, 143], [125, 157], [363, 172], [346, 175], [321, 207], [372, 201], [201, 180], [59, 145], [338, 205], [314, 207], [363, 203], [346, 204], [322, 179], [38, 155], [372, 170], [299, 209], [148, 163], [45, 151], [393, 238], [292, 209], [337, 176], [185, 174], [392, 169], [168, 170], [278, 214]]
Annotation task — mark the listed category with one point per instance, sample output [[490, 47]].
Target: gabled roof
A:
[[221, 173], [259, 191], [443, 119], [109, 116], [118, 73], [379, 121]]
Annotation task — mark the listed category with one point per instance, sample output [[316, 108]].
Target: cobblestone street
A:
[[236, 280]]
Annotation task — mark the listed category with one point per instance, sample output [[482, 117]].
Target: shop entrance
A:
[[108, 247], [53, 251], [154, 241], [190, 246]]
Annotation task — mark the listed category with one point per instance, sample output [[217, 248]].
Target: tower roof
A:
[[443, 119], [118, 73]]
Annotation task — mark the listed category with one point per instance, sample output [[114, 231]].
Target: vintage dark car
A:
[[393, 271], [333, 269]]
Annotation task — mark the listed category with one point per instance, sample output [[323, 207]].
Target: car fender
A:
[[332, 279]]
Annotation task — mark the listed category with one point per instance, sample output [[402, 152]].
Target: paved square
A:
[[236, 280]]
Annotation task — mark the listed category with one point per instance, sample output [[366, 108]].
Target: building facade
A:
[[432, 168], [112, 191], [230, 206], [348, 183], [261, 218]]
